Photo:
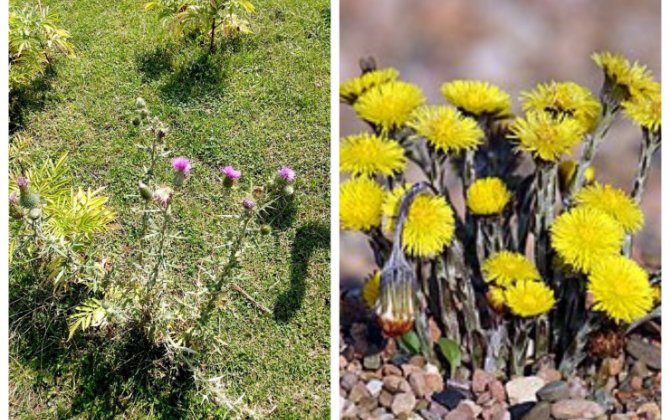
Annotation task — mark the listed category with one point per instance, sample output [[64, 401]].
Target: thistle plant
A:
[[535, 261]]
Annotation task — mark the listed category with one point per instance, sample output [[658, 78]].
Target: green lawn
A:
[[258, 103]]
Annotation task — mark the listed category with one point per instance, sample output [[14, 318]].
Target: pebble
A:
[[348, 381], [389, 370], [651, 410], [418, 383], [613, 365], [418, 361], [358, 392], [434, 382], [578, 389], [501, 414], [644, 352], [403, 403], [395, 384], [368, 404], [372, 362], [343, 362], [480, 380], [408, 369], [523, 389], [385, 399], [640, 369], [549, 374], [375, 387], [518, 411], [462, 412], [636, 383], [575, 409], [438, 409], [541, 411], [554, 391], [498, 391], [448, 398]]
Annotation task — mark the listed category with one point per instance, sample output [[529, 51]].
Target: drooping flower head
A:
[[429, 226], [389, 105], [248, 203], [564, 99], [163, 196], [352, 89], [623, 79], [370, 289], [504, 268], [583, 236], [367, 154], [391, 206], [181, 164], [546, 137], [615, 202], [477, 98], [567, 170], [446, 129], [286, 173], [360, 204], [645, 110], [620, 288], [488, 196], [529, 298], [496, 298]]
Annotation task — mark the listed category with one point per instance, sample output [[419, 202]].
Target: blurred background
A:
[[514, 44]]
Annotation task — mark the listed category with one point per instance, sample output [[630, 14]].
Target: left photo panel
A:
[[169, 209]]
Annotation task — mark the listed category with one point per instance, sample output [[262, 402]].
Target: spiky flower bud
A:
[[161, 132], [140, 103], [27, 199], [136, 121], [15, 210], [144, 113], [35, 213], [288, 190], [248, 203], [266, 230], [145, 191], [231, 175]]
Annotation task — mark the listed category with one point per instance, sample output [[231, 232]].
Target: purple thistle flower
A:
[[231, 173], [13, 198], [181, 164], [287, 174], [22, 182], [248, 203]]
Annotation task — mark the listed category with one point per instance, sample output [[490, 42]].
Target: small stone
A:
[[498, 391], [644, 352], [358, 392], [578, 389], [476, 409], [484, 398], [501, 414], [518, 411], [418, 361], [354, 367], [385, 399], [389, 370], [348, 410], [372, 362], [431, 368], [541, 411], [575, 409], [421, 405], [464, 411], [348, 380], [480, 380], [620, 416], [650, 410], [368, 404], [523, 389], [554, 391], [380, 411], [614, 365], [549, 374], [427, 415], [375, 387], [418, 383], [343, 362], [640, 369], [403, 403], [395, 384], [449, 398], [434, 382], [438, 409], [408, 369], [636, 383], [435, 332]]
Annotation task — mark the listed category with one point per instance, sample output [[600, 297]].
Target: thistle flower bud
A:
[[35, 213], [266, 230], [288, 190], [161, 132], [144, 113], [140, 103], [286, 174], [136, 121], [145, 191], [182, 168], [163, 196], [231, 175], [27, 199], [22, 183], [15, 210], [248, 203]]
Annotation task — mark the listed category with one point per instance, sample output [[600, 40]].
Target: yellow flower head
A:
[[446, 129], [477, 98], [584, 235], [620, 288], [360, 204], [351, 89], [429, 226], [546, 137], [505, 268], [634, 79], [496, 298], [370, 290], [564, 99], [615, 202], [645, 110], [488, 196], [367, 154], [529, 298], [567, 170], [391, 206], [389, 105]]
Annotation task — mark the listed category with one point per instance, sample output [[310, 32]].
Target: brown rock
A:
[[549, 374], [368, 375], [578, 389], [434, 329], [484, 397], [385, 399], [523, 389], [575, 409], [498, 391], [358, 392], [368, 404], [408, 369], [614, 365], [395, 384], [461, 412], [418, 383], [434, 382], [541, 411], [389, 370], [438, 409], [480, 380], [645, 352], [636, 383], [343, 362], [403, 403], [650, 410], [354, 366], [418, 361]]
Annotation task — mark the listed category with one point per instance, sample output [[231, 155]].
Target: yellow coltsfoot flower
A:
[[564, 99], [645, 110], [529, 298], [477, 98], [429, 226], [505, 268], [488, 196], [583, 236], [615, 202], [360, 204], [446, 129], [620, 288], [367, 154], [567, 170], [496, 298], [630, 79], [370, 289], [352, 89], [546, 137], [389, 105], [391, 206]]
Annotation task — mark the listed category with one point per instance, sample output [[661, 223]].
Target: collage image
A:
[[332, 209]]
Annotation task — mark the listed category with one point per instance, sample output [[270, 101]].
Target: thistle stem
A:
[[545, 193]]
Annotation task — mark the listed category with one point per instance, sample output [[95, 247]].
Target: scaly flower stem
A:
[[161, 249], [545, 193]]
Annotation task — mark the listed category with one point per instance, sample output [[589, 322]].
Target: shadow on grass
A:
[[154, 64], [308, 238], [282, 214], [31, 97]]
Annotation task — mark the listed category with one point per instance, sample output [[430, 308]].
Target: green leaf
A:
[[452, 352], [410, 342]]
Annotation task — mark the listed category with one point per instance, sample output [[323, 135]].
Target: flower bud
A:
[[266, 230], [136, 121], [286, 174], [145, 191], [144, 113], [35, 213], [161, 132], [140, 103], [257, 192], [288, 190], [248, 203]]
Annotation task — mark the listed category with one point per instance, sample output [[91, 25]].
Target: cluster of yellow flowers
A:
[[587, 237]]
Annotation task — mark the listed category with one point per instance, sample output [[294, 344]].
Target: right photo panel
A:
[[500, 209]]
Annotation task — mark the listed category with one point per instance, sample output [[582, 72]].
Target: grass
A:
[[257, 103]]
